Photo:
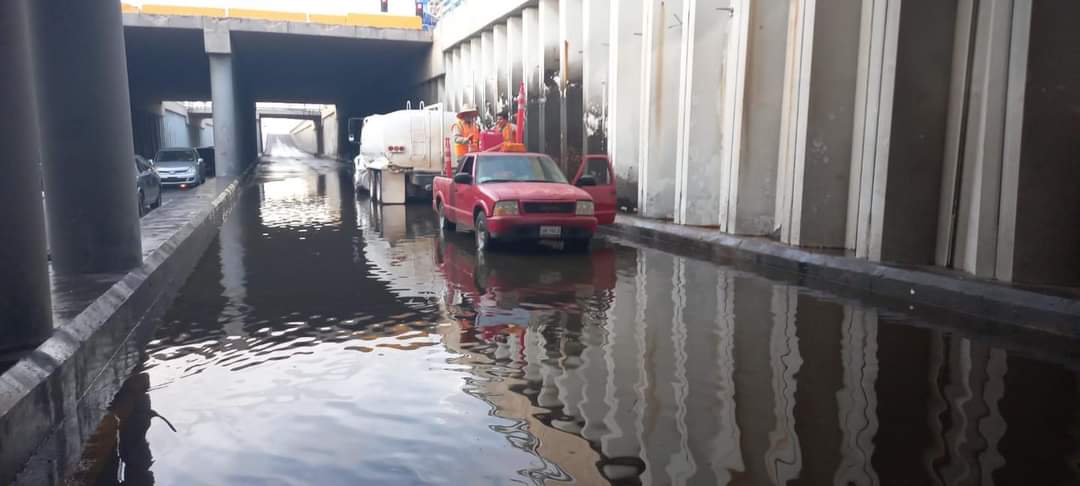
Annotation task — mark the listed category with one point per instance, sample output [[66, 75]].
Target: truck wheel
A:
[[445, 224], [484, 241]]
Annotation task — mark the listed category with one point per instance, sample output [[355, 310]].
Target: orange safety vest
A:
[[508, 134], [466, 131]]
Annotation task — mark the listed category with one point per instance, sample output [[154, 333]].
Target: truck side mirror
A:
[[463, 179], [586, 181]]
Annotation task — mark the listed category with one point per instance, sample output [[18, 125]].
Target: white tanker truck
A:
[[401, 152]]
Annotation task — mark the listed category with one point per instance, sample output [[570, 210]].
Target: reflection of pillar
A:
[[594, 372], [623, 352], [712, 430], [783, 460], [664, 382], [233, 271], [624, 93], [857, 400], [24, 290], [86, 135]]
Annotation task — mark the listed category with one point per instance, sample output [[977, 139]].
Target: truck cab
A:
[[507, 197]]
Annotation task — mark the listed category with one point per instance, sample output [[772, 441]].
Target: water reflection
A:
[[356, 345]]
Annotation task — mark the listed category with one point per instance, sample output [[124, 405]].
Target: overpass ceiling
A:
[[170, 64]]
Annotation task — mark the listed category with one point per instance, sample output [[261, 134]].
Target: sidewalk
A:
[[940, 288]]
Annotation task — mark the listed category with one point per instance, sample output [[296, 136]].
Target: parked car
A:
[[180, 167], [148, 185], [508, 196]]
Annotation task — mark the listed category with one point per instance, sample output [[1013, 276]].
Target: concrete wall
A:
[[175, 127], [330, 131], [890, 128], [306, 137], [1048, 207]]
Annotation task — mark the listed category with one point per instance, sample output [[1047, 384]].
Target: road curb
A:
[[984, 299], [52, 400]]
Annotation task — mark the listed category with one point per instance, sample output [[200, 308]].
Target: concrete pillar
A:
[[571, 101], [498, 69], [86, 135], [818, 115], [1042, 249], [985, 142], [531, 75], [320, 150], [596, 69], [899, 145], [512, 70], [223, 93], [259, 133], [548, 33], [446, 97], [624, 91], [25, 302], [476, 74], [661, 62], [487, 78], [751, 202], [710, 97]]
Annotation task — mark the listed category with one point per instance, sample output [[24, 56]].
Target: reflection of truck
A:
[[400, 152], [512, 196]]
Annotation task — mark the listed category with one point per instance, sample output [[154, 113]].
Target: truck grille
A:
[[549, 207]]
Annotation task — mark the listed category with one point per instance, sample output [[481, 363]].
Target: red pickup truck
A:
[[519, 196]]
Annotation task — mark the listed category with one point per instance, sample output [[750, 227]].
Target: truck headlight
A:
[[585, 208], [505, 208]]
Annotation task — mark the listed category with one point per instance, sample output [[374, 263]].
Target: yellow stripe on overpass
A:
[[381, 21]]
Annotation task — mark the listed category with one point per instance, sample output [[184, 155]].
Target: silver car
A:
[[148, 185], [180, 167]]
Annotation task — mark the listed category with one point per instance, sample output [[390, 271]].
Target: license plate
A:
[[550, 231]]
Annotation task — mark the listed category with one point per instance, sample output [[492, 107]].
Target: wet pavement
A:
[[322, 340]]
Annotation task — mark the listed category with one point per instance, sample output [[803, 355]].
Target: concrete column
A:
[[531, 75], [900, 146], [86, 135], [571, 101], [1035, 245], [25, 301], [476, 74], [487, 78], [661, 62], [512, 66], [223, 93], [983, 137], [320, 150], [498, 69], [710, 95], [259, 133], [548, 33], [596, 69], [818, 115], [446, 97], [751, 201], [624, 91]]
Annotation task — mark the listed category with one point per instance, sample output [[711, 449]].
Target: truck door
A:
[[457, 194], [603, 193]]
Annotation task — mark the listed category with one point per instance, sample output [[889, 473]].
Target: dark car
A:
[[180, 167], [148, 185], [207, 154]]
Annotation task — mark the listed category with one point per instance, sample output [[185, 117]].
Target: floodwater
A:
[[324, 341]]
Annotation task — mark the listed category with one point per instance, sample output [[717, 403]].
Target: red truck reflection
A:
[[505, 293]]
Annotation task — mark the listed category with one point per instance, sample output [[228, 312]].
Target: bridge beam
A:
[[24, 290], [86, 136]]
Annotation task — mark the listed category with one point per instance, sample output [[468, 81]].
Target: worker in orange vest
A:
[[466, 132], [505, 128]]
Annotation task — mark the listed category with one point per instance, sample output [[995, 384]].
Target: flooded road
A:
[[325, 341]]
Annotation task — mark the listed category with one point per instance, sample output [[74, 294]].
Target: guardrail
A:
[[376, 20]]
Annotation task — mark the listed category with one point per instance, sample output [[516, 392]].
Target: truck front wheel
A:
[[445, 224], [484, 241]]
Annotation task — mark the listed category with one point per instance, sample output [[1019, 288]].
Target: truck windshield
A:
[[517, 168]]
